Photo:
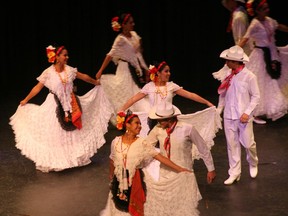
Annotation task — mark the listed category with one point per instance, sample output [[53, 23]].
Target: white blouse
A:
[[156, 94], [262, 33], [137, 155], [128, 49], [52, 80]]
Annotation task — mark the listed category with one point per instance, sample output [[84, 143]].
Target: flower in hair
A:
[[50, 51], [249, 8], [153, 70], [120, 120], [115, 24]]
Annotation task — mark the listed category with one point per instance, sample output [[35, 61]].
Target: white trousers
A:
[[238, 134]]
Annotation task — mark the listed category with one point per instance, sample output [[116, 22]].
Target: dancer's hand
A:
[[211, 176], [244, 118], [23, 102]]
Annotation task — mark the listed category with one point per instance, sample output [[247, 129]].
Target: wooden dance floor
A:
[[83, 191]]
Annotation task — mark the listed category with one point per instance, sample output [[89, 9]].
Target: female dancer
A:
[[267, 62], [160, 89], [132, 71], [66, 130], [129, 154]]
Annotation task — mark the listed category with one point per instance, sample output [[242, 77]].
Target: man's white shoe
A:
[[231, 180], [259, 121], [253, 171]]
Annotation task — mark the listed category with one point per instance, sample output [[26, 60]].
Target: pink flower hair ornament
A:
[[50, 52], [115, 24]]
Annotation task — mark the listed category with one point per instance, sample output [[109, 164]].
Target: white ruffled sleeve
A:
[[116, 51], [149, 151], [73, 73], [44, 76], [173, 86], [112, 151], [222, 73], [146, 89]]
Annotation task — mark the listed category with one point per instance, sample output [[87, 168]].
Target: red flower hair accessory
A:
[[51, 55], [120, 120], [153, 71], [249, 8], [115, 24]]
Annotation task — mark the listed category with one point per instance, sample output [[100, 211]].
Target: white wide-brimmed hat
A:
[[163, 111], [235, 53]]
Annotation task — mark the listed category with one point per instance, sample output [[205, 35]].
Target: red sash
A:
[[167, 144], [137, 196], [76, 112], [226, 82]]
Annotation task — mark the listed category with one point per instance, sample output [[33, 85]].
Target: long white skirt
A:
[[273, 103], [283, 80], [40, 137], [177, 196], [119, 87]]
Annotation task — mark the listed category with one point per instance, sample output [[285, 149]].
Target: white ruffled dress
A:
[[164, 197], [39, 135], [120, 86], [273, 103], [138, 155]]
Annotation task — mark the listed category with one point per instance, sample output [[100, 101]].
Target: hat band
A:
[[233, 57], [164, 116]]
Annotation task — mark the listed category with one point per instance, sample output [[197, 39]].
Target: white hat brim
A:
[[153, 115], [224, 55]]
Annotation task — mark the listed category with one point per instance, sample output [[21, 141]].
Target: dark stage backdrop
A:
[[188, 34]]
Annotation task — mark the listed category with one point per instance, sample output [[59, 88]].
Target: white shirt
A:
[[182, 139], [241, 97]]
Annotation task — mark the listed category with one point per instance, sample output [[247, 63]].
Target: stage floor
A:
[[83, 191]]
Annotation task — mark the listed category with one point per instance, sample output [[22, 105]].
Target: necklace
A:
[[64, 80], [125, 181], [123, 150], [162, 94]]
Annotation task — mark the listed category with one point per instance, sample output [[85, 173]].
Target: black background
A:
[[188, 34]]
